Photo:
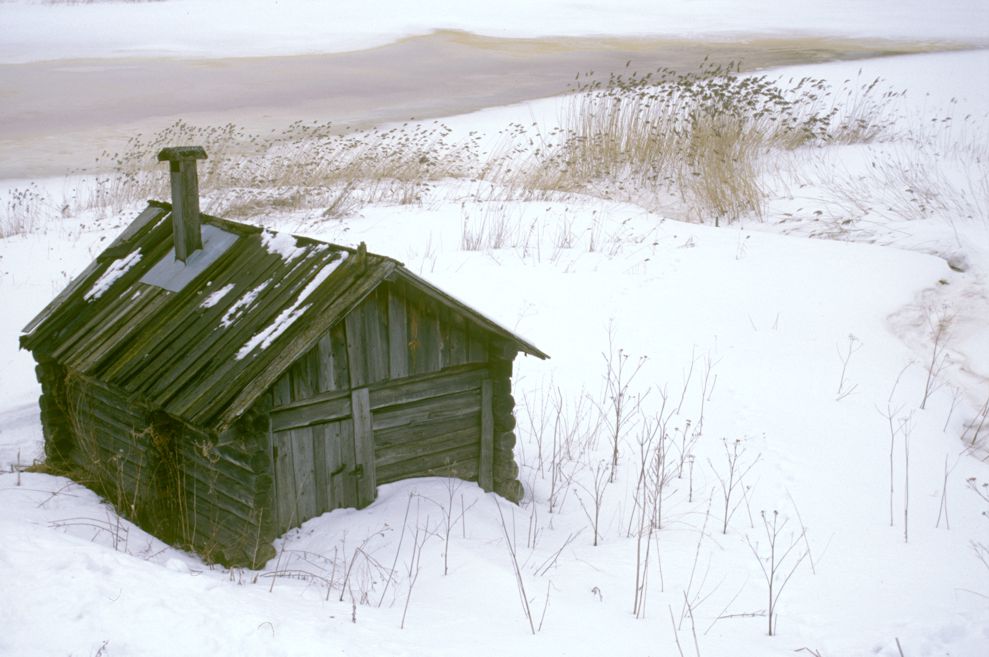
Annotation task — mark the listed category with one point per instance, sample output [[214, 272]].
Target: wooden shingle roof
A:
[[203, 341]]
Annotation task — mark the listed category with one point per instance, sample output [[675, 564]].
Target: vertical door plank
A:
[[284, 480], [335, 474], [363, 447], [347, 459], [322, 474], [305, 475]]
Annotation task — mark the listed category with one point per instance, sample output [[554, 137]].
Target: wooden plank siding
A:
[[389, 336], [313, 471], [424, 425], [367, 485]]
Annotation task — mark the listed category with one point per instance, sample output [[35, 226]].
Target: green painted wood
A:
[[85, 280], [184, 323], [367, 487], [485, 477], [189, 391]]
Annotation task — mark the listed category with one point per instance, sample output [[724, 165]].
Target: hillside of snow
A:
[[802, 442]]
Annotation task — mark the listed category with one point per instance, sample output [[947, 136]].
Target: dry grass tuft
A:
[[24, 210], [304, 166], [697, 140]]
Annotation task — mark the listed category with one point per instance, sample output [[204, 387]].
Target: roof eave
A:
[[439, 295]]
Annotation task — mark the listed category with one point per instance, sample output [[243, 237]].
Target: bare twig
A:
[[619, 376], [854, 344], [777, 567], [940, 325], [736, 473], [519, 582]]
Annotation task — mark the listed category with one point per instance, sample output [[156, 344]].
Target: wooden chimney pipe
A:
[[186, 226]]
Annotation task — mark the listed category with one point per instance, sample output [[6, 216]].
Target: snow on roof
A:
[[267, 335], [242, 304], [117, 269], [284, 244], [217, 296]]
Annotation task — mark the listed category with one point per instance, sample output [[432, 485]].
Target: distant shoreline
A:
[[57, 116]]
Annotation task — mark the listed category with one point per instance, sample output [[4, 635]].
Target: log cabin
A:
[[220, 383]]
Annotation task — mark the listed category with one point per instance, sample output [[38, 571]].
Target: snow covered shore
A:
[[808, 359]]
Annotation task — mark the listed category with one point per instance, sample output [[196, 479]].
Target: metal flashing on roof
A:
[[172, 274]]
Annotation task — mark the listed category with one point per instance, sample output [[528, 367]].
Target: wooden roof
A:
[[204, 341]]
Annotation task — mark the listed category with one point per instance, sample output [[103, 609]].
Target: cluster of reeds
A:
[[696, 146], [696, 139], [24, 208], [303, 166]]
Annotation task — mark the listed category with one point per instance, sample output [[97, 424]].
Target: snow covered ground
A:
[[806, 358]]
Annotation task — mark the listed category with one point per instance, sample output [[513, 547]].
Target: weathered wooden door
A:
[[324, 466]]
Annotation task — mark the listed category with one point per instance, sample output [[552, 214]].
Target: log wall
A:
[[401, 388], [181, 484]]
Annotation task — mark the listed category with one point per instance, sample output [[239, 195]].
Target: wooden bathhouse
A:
[[221, 383]]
